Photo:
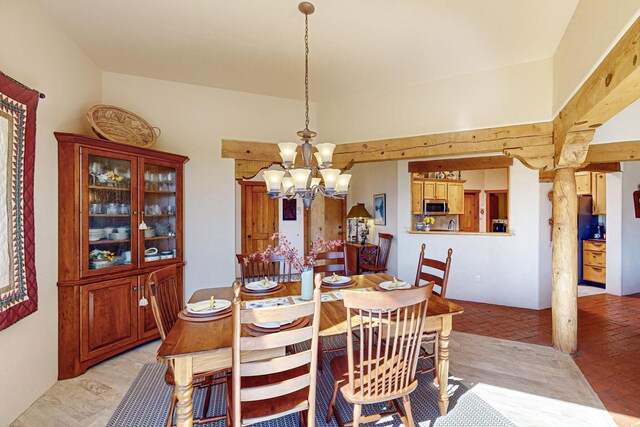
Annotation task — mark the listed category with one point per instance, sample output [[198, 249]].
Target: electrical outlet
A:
[[477, 279]]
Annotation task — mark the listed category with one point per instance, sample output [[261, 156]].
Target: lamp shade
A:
[[318, 158], [326, 152], [288, 152], [342, 184], [300, 177], [273, 178], [315, 182], [330, 176], [287, 183], [358, 211]]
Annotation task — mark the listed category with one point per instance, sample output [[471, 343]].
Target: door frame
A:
[[243, 211], [487, 207], [476, 194]]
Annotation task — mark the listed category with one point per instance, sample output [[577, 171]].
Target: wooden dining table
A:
[[196, 347]]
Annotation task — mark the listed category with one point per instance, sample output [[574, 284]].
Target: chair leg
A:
[[357, 411], [303, 418], [332, 402], [407, 410], [207, 398], [172, 409], [320, 345]]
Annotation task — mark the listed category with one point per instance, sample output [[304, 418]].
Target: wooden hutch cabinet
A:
[[107, 194]]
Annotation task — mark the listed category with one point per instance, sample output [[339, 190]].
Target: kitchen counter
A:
[[466, 233]]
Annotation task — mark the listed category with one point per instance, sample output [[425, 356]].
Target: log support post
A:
[[564, 264]]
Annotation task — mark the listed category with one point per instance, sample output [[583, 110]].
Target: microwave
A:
[[435, 207]]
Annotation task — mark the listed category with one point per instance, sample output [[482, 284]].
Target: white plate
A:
[[339, 280], [260, 285], [273, 325], [219, 305], [390, 286]]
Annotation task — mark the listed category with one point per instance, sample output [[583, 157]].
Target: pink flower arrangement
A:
[[286, 250]]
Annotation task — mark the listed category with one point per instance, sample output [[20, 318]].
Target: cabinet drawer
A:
[[594, 258], [590, 245], [594, 274]]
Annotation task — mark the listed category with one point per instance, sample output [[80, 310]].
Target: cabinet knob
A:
[[135, 212], [135, 288]]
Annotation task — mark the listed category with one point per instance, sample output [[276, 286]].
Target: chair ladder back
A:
[[391, 330], [163, 287], [275, 364], [384, 246], [332, 262], [276, 268], [433, 270]]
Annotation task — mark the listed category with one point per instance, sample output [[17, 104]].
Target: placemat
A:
[[257, 331], [279, 287], [192, 317]]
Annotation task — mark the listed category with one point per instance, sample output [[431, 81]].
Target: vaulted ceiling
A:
[[356, 45]]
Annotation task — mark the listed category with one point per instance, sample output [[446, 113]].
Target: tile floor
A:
[[608, 343]]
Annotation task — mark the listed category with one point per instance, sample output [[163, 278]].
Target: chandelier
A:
[[302, 181]]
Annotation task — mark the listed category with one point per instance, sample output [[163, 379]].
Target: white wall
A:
[[507, 265], [631, 228], [375, 178], [194, 120], [545, 247], [40, 55], [512, 95], [594, 29]]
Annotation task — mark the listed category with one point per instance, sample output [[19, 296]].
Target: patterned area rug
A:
[[147, 403]]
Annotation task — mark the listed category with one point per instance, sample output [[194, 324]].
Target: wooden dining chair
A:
[[165, 304], [267, 389], [275, 268], [436, 271], [382, 256], [331, 262], [383, 369]]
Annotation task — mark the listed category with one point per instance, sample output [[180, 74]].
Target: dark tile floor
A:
[[608, 343]]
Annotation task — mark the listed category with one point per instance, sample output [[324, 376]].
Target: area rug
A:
[[147, 404]]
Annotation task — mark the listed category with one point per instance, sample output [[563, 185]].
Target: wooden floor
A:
[[529, 384], [608, 343]]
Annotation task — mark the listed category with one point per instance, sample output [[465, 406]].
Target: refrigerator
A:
[[587, 226]]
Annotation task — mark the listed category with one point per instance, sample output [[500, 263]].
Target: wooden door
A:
[[470, 220], [109, 316], [146, 322], [259, 216], [326, 218]]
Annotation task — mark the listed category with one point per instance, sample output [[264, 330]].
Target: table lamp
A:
[[358, 212]]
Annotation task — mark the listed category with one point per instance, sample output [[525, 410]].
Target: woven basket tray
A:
[[119, 125]]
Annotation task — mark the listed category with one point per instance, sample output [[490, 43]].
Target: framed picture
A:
[[380, 209], [289, 209]]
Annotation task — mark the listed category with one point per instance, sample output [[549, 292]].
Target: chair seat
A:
[[340, 372], [255, 410], [372, 267]]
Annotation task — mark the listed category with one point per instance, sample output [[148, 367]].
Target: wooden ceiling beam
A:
[[480, 141], [465, 164], [547, 176], [614, 152], [613, 86]]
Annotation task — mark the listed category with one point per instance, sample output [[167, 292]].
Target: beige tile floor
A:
[[531, 385]]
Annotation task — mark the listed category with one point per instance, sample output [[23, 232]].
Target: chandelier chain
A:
[[306, 71]]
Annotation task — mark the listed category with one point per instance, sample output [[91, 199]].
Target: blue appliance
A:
[[587, 226]]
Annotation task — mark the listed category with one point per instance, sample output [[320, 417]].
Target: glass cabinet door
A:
[[109, 233], [159, 184]]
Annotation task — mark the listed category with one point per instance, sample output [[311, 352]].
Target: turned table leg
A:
[[183, 377], [443, 365]]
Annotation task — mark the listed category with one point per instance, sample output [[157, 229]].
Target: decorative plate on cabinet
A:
[[119, 125]]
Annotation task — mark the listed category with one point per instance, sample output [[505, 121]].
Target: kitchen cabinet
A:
[[108, 193], [594, 261], [583, 183], [450, 190], [599, 193]]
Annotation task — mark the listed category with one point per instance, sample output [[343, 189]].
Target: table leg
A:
[[183, 377], [443, 364]]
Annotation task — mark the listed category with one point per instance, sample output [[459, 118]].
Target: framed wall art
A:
[[289, 209], [380, 209]]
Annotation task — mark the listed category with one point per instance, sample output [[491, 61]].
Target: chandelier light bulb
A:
[[300, 178], [273, 178], [326, 152], [287, 183], [288, 152], [342, 184], [330, 176]]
